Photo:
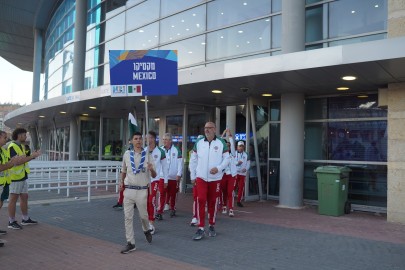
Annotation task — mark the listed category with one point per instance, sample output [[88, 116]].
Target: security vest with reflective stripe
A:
[[4, 175], [18, 172]]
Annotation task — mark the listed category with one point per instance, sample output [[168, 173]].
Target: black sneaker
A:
[[159, 217], [211, 231], [148, 236], [239, 204], [29, 221], [128, 248], [2, 232], [199, 234], [118, 206], [14, 225], [172, 213]]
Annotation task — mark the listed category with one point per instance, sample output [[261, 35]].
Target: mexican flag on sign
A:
[[132, 124]]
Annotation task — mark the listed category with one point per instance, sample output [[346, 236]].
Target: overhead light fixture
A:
[[62, 112], [41, 116], [93, 107], [267, 95], [85, 114], [216, 91], [353, 11], [348, 78], [342, 88], [157, 119], [240, 31], [143, 100], [362, 96]]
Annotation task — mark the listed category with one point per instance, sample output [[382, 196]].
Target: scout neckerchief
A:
[[131, 156]]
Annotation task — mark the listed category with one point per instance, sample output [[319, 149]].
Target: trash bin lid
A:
[[332, 169]]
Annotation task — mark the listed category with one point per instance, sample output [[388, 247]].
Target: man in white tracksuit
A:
[[209, 159]]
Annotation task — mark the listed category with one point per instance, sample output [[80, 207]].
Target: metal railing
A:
[[78, 174]]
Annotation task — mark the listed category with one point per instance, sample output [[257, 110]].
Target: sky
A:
[[16, 84]]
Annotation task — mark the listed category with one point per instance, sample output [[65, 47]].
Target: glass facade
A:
[[202, 31], [341, 131], [364, 20]]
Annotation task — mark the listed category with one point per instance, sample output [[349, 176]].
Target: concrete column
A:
[[218, 120], [292, 150], [37, 65], [79, 47], [73, 139], [396, 153], [396, 18], [231, 118], [293, 26]]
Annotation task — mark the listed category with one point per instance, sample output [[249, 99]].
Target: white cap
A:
[[241, 143]]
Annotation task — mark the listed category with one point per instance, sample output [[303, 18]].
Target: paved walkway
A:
[[89, 235]]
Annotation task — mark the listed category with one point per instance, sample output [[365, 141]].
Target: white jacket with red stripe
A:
[[207, 155]]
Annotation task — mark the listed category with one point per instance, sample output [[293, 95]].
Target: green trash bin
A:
[[332, 190]]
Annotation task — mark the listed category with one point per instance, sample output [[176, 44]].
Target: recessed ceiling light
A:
[[342, 88], [353, 11], [376, 6], [216, 91], [245, 4], [267, 95], [349, 78], [41, 116], [62, 112], [240, 31], [85, 114], [93, 107], [202, 43], [141, 31], [362, 96]]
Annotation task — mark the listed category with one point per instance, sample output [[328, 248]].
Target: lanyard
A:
[[131, 156]]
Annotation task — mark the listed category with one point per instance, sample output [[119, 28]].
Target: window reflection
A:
[[237, 40], [143, 38], [171, 6], [142, 14], [361, 16], [115, 26], [227, 12], [183, 25], [190, 51]]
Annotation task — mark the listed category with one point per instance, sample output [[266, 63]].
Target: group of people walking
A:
[[151, 177]]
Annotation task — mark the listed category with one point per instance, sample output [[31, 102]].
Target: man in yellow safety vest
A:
[[19, 175]]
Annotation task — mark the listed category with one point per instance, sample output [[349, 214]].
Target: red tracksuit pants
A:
[[153, 189], [207, 193], [240, 182], [172, 189], [195, 202], [228, 183], [162, 196], [121, 196]]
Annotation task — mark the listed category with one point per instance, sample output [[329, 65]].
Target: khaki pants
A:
[[140, 198]]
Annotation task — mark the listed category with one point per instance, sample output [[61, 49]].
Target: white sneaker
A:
[[167, 207], [231, 214], [194, 222], [151, 228], [224, 210]]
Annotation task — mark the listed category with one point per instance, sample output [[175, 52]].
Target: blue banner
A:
[[143, 73]]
